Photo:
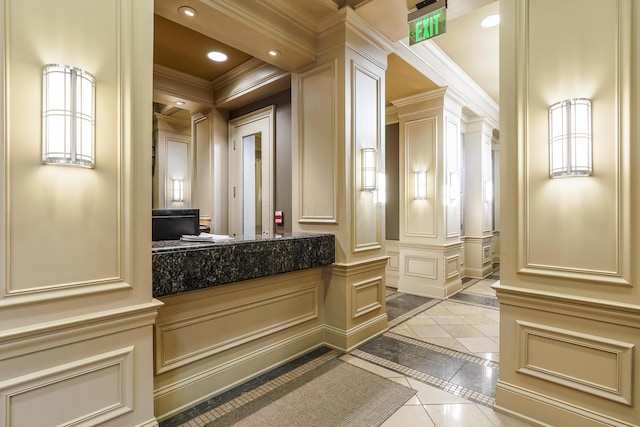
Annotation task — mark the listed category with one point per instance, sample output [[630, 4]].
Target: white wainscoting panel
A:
[[589, 363], [85, 392]]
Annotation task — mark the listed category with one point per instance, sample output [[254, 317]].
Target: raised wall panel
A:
[[487, 179], [203, 171], [318, 152], [394, 260], [420, 155], [452, 266], [452, 161], [187, 340], [367, 98], [589, 363], [366, 296], [177, 167], [55, 394], [586, 218], [54, 215], [421, 266]]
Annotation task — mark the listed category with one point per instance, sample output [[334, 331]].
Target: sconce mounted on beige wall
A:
[[420, 185], [369, 170], [570, 145], [178, 190], [68, 116]]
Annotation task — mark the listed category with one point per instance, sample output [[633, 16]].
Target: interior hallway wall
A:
[[570, 285]]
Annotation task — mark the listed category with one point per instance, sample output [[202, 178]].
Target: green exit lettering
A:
[[427, 26]]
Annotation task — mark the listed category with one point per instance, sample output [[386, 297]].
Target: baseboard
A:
[[479, 273], [346, 341], [439, 291], [542, 410], [150, 423]]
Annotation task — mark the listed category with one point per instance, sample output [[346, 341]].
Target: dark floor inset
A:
[[486, 301], [400, 305], [473, 376]]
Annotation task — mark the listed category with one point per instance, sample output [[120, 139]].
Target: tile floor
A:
[[446, 350]]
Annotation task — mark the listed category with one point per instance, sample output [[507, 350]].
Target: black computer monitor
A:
[[170, 224]]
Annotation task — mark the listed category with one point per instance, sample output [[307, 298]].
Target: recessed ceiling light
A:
[[490, 21], [217, 56], [274, 52], [187, 11], [180, 103]]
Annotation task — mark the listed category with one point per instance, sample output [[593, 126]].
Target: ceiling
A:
[[181, 44]]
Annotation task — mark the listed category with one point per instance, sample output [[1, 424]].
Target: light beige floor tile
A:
[[458, 331], [477, 319], [368, 366], [404, 329], [464, 309], [462, 415], [430, 331], [433, 396], [450, 343], [422, 319], [409, 416], [502, 420], [438, 310], [449, 320], [493, 315], [480, 344], [488, 330]]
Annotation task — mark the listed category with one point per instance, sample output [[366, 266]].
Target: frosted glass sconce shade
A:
[[178, 190], [369, 170], [570, 138], [488, 191], [454, 187], [68, 116], [420, 182]]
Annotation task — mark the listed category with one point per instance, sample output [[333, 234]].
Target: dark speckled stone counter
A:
[[187, 266]]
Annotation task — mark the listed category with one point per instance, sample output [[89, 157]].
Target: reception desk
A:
[[180, 266], [233, 310]]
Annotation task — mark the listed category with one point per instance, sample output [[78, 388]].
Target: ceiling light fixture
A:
[[180, 103], [490, 21], [187, 11], [274, 52], [217, 56]]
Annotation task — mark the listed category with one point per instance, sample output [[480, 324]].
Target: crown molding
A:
[[431, 61]]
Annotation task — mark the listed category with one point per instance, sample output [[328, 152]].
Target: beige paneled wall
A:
[[337, 110], [569, 289], [75, 270], [429, 245], [478, 210]]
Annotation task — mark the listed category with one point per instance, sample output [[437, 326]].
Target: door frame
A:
[[235, 173]]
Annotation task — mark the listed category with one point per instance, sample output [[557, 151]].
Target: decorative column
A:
[[430, 246], [478, 199], [338, 110]]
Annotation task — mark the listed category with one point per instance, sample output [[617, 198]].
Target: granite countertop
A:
[[180, 266]]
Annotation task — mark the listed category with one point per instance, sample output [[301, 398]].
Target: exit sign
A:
[[428, 26]]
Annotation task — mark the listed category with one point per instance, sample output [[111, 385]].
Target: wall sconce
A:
[[570, 138], [420, 183], [369, 172], [454, 187], [178, 190], [68, 116], [488, 191]]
